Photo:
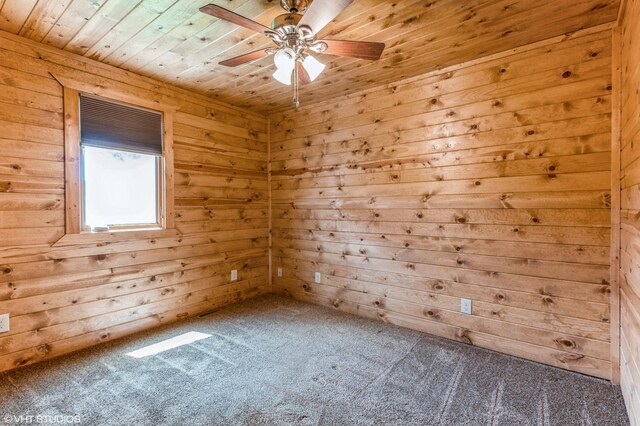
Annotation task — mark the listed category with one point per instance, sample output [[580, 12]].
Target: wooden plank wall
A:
[[64, 298], [630, 209], [489, 180]]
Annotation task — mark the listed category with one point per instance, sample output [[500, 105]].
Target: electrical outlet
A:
[[318, 277], [465, 306], [234, 275], [4, 323], [280, 272]]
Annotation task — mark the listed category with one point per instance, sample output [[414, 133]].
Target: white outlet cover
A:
[[234, 275], [318, 277], [4, 323], [280, 272], [465, 306]]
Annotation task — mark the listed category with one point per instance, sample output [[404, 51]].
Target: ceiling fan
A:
[[294, 34]]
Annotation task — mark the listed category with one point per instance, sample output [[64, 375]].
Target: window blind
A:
[[111, 125]]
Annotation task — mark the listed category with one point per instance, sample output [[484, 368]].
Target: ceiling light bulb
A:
[[285, 61], [313, 67], [284, 58]]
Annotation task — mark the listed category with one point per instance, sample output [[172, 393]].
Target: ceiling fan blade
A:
[[243, 59], [227, 15], [321, 12], [302, 74], [354, 49]]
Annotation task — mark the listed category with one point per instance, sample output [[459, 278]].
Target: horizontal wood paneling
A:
[[489, 181], [172, 41], [68, 297], [630, 208]]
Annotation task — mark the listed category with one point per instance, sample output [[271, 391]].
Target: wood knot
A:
[[432, 314], [570, 357], [44, 348], [566, 343], [535, 219], [566, 74], [462, 335], [434, 101]]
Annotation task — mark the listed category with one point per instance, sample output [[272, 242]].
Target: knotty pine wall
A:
[[630, 209], [489, 180], [65, 298]]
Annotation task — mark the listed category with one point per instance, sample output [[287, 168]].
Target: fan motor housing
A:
[[287, 19]]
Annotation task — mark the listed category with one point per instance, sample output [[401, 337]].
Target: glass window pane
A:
[[120, 188]]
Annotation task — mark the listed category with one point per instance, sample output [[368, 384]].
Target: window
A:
[[121, 169], [118, 165], [109, 198]]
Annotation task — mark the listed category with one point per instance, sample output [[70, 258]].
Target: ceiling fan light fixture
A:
[[285, 61], [283, 75], [285, 58], [313, 67], [295, 35]]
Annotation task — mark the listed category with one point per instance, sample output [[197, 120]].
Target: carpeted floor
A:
[[275, 361]]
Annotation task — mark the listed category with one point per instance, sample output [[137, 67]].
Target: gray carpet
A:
[[275, 361]]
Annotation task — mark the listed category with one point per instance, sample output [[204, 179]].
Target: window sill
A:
[[113, 236]]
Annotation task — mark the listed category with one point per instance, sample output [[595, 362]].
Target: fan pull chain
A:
[[296, 99]]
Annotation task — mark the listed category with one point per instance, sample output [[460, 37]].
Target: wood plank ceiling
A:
[[171, 41]]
